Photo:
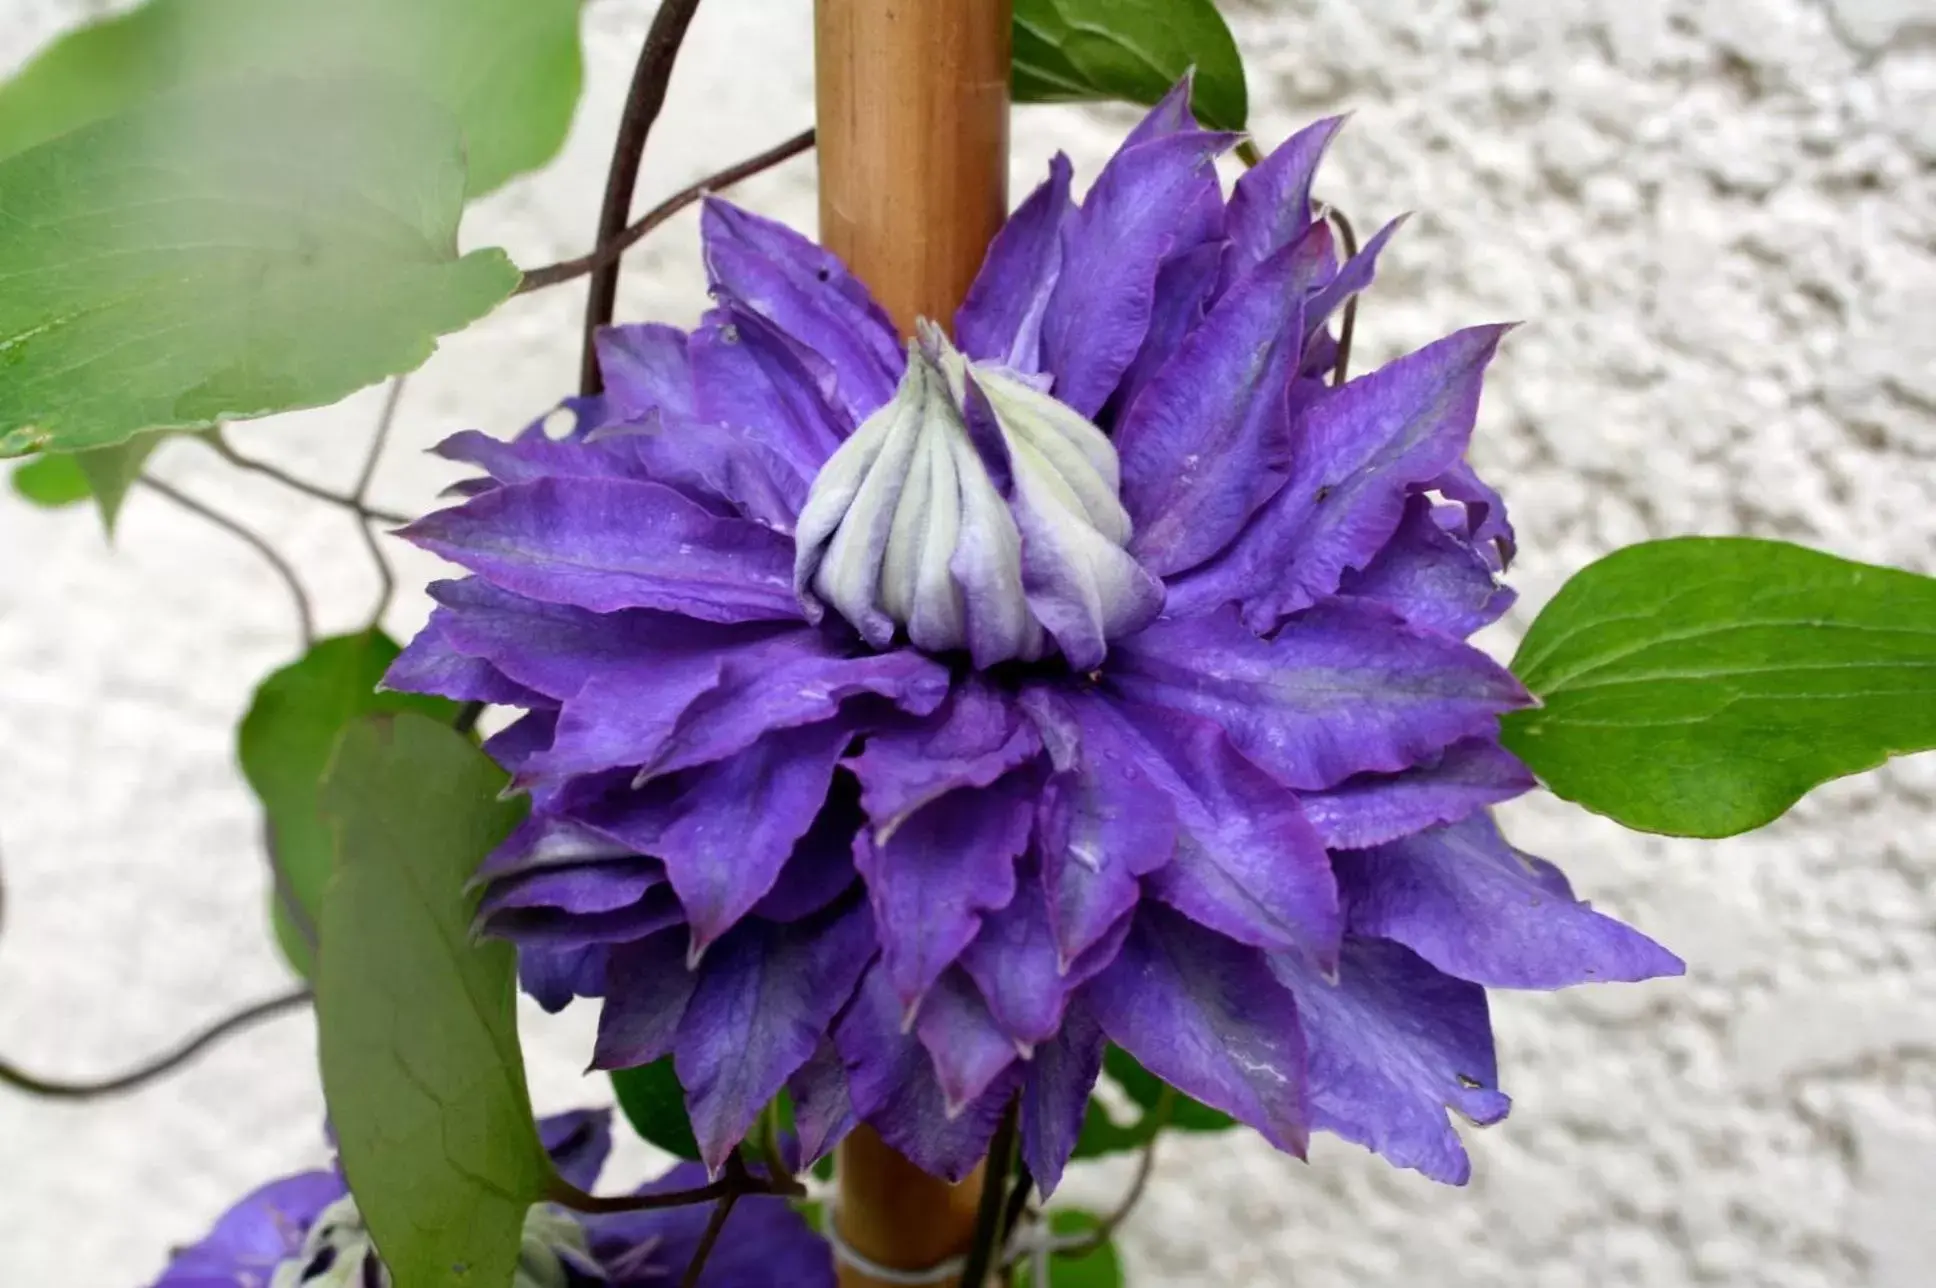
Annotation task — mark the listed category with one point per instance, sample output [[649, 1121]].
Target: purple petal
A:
[[808, 293], [1359, 451], [1015, 964], [647, 988], [952, 861], [265, 1228], [534, 456], [1371, 809], [821, 867], [1350, 280], [973, 740], [579, 1143], [645, 369], [723, 469], [609, 544], [1055, 1095], [1209, 440], [1393, 1043], [750, 376], [576, 888], [1486, 525], [766, 995], [1431, 578], [556, 977], [1001, 320], [969, 1049], [1105, 822], [1171, 114], [1207, 1016], [516, 743], [766, 1244], [1143, 207], [891, 1080], [822, 1111], [560, 929], [1183, 292], [1342, 689], [1270, 207], [428, 664], [1466, 901]]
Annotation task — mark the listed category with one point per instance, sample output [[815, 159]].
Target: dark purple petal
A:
[[766, 995], [1342, 689], [1001, 320], [1207, 1016], [1270, 207], [1486, 525], [1431, 578], [1392, 1043], [822, 1111], [1466, 901], [1350, 280], [766, 1245], [807, 292], [556, 977], [558, 928], [752, 377], [1371, 809], [1055, 1095], [891, 1080], [930, 882], [970, 1051], [1359, 451], [646, 369], [578, 888], [265, 1228], [1104, 821], [1209, 440], [647, 988], [970, 742], [522, 739], [579, 1143], [1183, 292], [722, 468], [1144, 207], [610, 544], [1015, 963], [821, 867]]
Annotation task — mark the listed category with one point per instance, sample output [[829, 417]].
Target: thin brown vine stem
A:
[[365, 525], [305, 613], [568, 1195], [642, 105], [985, 1251], [142, 1075], [1163, 1110], [611, 252], [276, 473], [1341, 370], [715, 1226]]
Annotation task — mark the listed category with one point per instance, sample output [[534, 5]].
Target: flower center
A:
[[338, 1252], [974, 512]]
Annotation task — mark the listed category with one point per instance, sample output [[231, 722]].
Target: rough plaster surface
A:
[[1718, 218]]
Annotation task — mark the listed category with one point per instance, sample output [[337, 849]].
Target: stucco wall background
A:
[[1718, 218]]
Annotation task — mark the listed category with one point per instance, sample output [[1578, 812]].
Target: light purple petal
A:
[[1001, 320], [974, 739], [1344, 688], [266, 1227], [1431, 578], [952, 861], [766, 995], [969, 1049], [807, 292], [724, 469], [1466, 901], [891, 1080], [1371, 809], [1015, 964], [823, 1113], [647, 987], [1359, 450], [1169, 115], [530, 457], [1270, 207], [1207, 1016], [749, 376], [1392, 1044], [429, 664], [1055, 1095], [1104, 821], [646, 369], [610, 544], [1209, 440], [1144, 207]]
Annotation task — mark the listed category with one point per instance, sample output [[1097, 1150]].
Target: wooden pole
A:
[[913, 144]]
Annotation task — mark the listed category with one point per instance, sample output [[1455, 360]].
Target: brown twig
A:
[[986, 1250], [305, 613], [141, 1076], [278, 474], [386, 576], [642, 105], [610, 252], [714, 1227], [734, 1182], [1145, 1167], [1341, 370]]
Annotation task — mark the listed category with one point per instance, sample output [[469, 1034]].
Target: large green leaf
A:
[[284, 744], [1076, 50], [1700, 686], [226, 254], [656, 1106], [1098, 1269], [508, 71], [418, 1021]]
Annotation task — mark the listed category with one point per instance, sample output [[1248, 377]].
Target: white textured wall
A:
[[1718, 218]]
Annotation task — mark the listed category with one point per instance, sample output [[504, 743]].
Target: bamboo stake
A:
[[913, 129]]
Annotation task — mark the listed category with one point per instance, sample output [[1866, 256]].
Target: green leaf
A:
[[655, 1105], [284, 744], [418, 1022], [51, 481], [1135, 50], [1700, 686], [508, 71], [229, 254], [1099, 1269]]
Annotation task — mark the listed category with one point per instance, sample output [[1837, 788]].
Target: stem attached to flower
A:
[[642, 104], [986, 1250]]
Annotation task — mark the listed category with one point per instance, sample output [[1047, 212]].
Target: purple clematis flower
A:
[[304, 1232], [906, 721]]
